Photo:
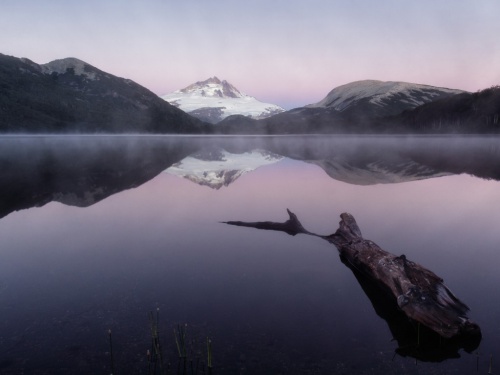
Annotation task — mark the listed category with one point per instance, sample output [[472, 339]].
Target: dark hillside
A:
[[463, 113], [71, 96]]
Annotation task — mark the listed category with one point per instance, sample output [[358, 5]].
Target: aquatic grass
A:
[[188, 358], [156, 355], [209, 355], [180, 340], [111, 352]]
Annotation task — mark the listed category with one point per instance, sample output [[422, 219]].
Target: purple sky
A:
[[289, 52]]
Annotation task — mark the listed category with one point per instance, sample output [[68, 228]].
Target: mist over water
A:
[[94, 234]]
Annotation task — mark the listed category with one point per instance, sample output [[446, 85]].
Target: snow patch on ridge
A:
[[61, 66]]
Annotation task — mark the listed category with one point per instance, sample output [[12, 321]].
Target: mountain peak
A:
[[213, 79], [213, 87], [213, 99], [382, 95]]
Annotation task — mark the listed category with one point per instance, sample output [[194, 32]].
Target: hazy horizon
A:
[[287, 53]]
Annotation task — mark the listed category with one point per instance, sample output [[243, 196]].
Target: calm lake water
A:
[[96, 232]]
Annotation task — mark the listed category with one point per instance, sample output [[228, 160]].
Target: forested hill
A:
[[71, 96], [477, 112]]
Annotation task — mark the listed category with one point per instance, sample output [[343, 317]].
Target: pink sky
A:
[[290, 53]]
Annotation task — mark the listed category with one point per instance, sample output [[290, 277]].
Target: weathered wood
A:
[[413, 339], [418, 292], [292, 226]]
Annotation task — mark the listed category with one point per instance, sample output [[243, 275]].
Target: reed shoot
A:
[[111, 352], [209, 353], [180, 340]]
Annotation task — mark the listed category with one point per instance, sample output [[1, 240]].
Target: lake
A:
[[96, 232]]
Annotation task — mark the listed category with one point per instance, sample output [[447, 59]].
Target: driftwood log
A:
[[417, 292]]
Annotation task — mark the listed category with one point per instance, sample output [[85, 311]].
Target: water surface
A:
[[95, 233]]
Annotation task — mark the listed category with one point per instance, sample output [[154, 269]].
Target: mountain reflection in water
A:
[[81, 171], [122, 237]]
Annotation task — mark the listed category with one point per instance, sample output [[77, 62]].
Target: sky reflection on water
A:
[[270, 301]]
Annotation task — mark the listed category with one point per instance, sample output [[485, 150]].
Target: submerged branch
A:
[[292, 226], [419, 293]]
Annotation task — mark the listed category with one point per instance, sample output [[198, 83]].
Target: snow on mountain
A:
[[393, 97], [80, 68], [219, 168], [213, 100]]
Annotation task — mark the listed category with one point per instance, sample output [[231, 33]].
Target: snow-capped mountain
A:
[[217, 168], [381, 98], [213, 100]]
